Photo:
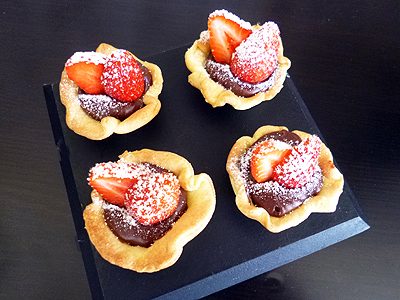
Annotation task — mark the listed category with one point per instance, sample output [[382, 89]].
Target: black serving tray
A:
[[232, 248]]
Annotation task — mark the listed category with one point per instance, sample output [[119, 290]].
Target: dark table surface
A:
[[345, 63]]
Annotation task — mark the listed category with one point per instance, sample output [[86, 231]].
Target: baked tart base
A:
[[323, 202], [164, 252], [81, 123], [217, 95]]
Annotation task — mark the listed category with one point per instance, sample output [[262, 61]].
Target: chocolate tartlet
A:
[[275, 206], [83, 114], [215, 80], [124, 239]]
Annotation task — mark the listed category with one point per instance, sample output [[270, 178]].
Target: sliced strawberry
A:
[[265, 157], [113, 179], [153, 198], [256, 58], [123, 77], [298, 167], [227, 31], [112, 190], [85, 69]]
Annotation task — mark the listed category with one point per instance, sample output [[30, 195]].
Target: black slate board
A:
[[232, 248]]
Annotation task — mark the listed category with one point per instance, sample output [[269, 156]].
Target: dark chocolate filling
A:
[[222, 74], [276, 199], [136, 234], [101, 106]]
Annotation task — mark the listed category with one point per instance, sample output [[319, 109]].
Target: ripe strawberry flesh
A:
[[86, 75], [113, 179], [265, 157], [225, 36], [122, 77], [112, 190], [153, 198], [256, 58], [298, 167]]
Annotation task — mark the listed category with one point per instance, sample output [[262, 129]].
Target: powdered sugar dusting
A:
[[118, 170], [87, 57], [154, 197], [230, 16], [300, 165], [205, 37], [277, 189], [269, 186], [101, 105], [223, 75], [123, 77], [258, 52], [127, 220]]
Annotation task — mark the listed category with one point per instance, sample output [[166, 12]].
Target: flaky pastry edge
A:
[[81, 123], [217, 95], [164, 252], [324, 202]]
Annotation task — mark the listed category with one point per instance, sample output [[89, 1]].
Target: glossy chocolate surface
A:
[[136, 234], [222, 74]]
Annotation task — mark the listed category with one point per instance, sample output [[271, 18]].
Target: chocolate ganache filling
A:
[[101, 106], [222, 74], [127, 229], [276, 199]]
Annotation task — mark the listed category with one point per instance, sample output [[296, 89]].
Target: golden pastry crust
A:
[[81, 123], [165, 251], [324, 202], [217, 95]]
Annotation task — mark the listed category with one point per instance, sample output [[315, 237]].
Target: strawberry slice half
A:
[[265, 157], [85, 69], [227, 31], [298, 167], [123, 77], [153, 198], [256, 58], [113, 179], [112, 190]]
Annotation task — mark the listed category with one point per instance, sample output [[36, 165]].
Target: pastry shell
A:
[[81, 123], [217, 95], [164, 252], [324, 202]]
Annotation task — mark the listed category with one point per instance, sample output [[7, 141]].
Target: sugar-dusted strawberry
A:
[[298, 167], [153, 198], [265, 157], [227, 31], [123, 77], [85, 69], [113, 179], [256, 58]]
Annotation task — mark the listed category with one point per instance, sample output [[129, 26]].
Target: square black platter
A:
[[232, 248]]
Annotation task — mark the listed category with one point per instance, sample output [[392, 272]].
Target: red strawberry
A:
[[112, 189], [153, 198], [265, 157], [123, 77], [112, 180], [227, 31], [256, 58], [85, 69], [298, 167]]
